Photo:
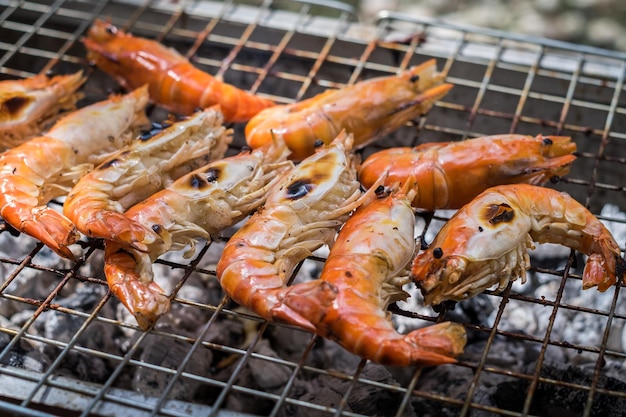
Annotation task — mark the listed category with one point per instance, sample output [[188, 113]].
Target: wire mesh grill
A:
[[211, 358]]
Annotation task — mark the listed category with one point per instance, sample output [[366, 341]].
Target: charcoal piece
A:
[[449, 381], [319, 392], [268, 376], [550, 399], [371, 400], [259, 374], [62, 326], [22, 355], [81, 366], [364, 399], [477, 309], [181, 315], [166, 352], [290, 344]]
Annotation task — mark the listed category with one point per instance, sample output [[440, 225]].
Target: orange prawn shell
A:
[[30, 105], [362, 275], [450, 174], [479, 239], [368, 110], [173, 82]]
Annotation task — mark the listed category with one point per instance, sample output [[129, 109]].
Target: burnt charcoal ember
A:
[[23, 355], [29, 282], [453, 381], [372, 401], [268, 376], [476, 310], [63, 326], [290, 344], [551, 399], [257, 373], [166, 352], [187, 318], [365, 398], [449, 381]]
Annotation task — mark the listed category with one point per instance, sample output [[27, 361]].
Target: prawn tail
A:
[[440, 343], [304, 305], [129, 276], [45, 224], [604, 267]]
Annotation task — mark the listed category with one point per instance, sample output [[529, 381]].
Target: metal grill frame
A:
[[579, 90]]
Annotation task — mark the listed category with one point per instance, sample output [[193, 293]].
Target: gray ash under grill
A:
[[543, 348]]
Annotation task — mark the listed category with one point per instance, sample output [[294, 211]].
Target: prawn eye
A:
[[111, 30], [298, 189], [437, 253]]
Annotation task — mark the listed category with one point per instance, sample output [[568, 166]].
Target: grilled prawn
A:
[[364, 272], [46, 167], [486, 243], [97, 202], [199, 205], [302, 212], [29, 106], [451, 174], [368, 110], [173, 82]]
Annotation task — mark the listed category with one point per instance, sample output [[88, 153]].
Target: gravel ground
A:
[[598, 23]]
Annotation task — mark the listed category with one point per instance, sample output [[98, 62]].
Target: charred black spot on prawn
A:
[[299, 189], [499, 213], [212, 174], [197, 181], [15, 105]]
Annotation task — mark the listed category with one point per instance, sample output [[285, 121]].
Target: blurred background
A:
[[600, 23]]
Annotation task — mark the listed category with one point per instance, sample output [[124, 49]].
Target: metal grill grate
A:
[[289, 51]]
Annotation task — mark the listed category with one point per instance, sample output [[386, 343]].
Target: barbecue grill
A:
[[67, 347]]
